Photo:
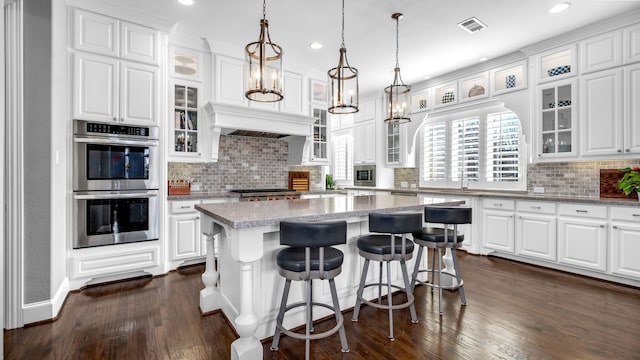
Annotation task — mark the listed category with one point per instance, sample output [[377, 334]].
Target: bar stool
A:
[[385, 249], [441, 238], [308, 257]]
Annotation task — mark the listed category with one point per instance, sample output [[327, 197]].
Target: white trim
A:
[[2, 185], [47, 309], [128, 14], [14, 231]]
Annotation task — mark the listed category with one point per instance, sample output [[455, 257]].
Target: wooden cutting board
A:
[[609, 184]]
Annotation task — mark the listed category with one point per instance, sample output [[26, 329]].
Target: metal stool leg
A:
[[280, 318], [307, 340], [456, 268], [380, 283], [363, 278], [416, 268], [311, 305], [339, 318], [390, 301], [433, 268], [409, 291], [440, 280]]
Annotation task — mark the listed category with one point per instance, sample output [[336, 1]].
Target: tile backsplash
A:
[[581, 178], [245, 163]]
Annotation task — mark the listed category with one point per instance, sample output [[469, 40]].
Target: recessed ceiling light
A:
[[560, 7], [483, 59], [186, 2], [315, 45]]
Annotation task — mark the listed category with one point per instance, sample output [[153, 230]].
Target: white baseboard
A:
[[48, 309]]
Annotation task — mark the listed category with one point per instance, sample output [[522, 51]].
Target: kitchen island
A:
[[249, 287]]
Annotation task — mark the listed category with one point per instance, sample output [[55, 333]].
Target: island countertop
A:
[[241, 215]]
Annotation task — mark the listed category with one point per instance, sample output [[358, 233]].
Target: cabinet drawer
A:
[[179, 207], [539, 207], [590, 211], [625, 213], [499, 204]]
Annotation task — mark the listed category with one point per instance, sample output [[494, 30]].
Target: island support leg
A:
[[210, 295], [247, 347]]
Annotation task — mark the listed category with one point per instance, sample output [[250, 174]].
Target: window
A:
[[343, 158], [482, 150]]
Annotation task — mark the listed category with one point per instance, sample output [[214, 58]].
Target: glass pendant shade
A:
[[398, 100], [398, 95], [343, 87], [263, 72]]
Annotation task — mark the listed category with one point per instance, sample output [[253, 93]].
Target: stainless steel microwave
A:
[[364, 175]]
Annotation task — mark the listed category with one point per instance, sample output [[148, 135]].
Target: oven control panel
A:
[[93, 128]]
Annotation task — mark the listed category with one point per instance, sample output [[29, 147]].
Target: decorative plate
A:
[[559, 70], [448, 97], [564, 103], [475, 91]]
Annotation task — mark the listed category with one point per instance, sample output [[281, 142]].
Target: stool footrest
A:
[[314, 336], [403, 305]]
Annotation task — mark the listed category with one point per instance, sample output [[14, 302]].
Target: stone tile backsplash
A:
[[580, 178], [245, 163]]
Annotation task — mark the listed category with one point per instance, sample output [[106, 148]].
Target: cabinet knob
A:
[[601, 226], [121, 119], [115, 119], [615, 227], [619, 150], [627, 150]]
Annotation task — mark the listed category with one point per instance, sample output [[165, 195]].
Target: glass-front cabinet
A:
[[556, 124], [319, 134], [185, 119], [393, 144]]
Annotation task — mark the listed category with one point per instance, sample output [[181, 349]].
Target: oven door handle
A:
[[114, 195], [114, 141]]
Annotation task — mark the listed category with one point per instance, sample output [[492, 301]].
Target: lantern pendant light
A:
[[264, 66], [398, 95], [343, 81]]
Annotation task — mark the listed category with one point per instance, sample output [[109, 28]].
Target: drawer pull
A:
[[635, 215], [601, 226], [582, 211], [536, 207], [497, 204], [615, 227], [185, 207]]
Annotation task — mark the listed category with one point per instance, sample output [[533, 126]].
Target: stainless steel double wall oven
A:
[[115, 184]]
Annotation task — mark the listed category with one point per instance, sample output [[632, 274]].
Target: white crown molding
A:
[[128, 14]]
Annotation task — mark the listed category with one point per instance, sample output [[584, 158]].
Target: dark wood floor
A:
[[514, 311]]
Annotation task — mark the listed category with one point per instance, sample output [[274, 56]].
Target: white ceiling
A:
[[431, 43]]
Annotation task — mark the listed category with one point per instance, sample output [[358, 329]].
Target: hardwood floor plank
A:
[[514, 311]]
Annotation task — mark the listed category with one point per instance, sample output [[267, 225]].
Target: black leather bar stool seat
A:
[[385, 249], [439, 238], [309, 256]]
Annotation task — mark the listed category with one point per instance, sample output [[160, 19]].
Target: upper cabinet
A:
[[112, 78], [509, 78], [601, 127], [320, 134], [556, 64], [109, 90], [104, 35], [292, 101], [364, 135], [631, 44], [446, 94], [601, 52], [474, 87], [631, 128], [229, 80], [556, 120], [186, 119]]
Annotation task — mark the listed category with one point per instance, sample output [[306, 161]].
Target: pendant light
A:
[[343, 81], [398, 95], [264, 66]]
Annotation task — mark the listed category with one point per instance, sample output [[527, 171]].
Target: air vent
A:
[[261, 134], [472, 25]]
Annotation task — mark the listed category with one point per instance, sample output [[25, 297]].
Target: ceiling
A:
[[431, 43]]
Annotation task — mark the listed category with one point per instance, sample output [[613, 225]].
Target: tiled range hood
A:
[[226, 119]]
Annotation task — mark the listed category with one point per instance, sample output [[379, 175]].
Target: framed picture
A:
[[318, 90], [185, 63]]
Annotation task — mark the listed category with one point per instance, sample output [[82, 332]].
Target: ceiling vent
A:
[[472, 25]]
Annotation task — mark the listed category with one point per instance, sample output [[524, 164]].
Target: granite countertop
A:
[[240, 215], [516, 195], [226, 194]]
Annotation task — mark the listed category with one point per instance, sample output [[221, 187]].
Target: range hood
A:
[[228, 119]]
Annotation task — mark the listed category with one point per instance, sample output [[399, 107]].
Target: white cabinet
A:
[[625, 242], [364, 135], [556, 64], [393, 144], [631, 44], [536, 230], [292, 101], [185, 120], [320, 152], [229, 80], [601, 131], [184, 232], [104, 35], [582, 236], [110, 90], [556, 123], [632, 108], [601, 52], [498, 224]]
